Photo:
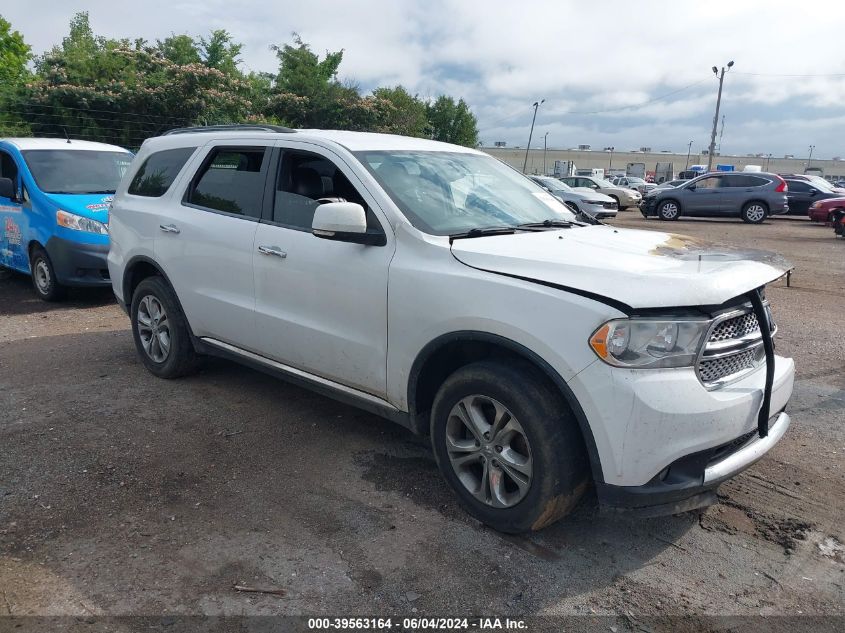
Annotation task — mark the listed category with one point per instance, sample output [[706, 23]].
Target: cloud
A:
[[501, 56]]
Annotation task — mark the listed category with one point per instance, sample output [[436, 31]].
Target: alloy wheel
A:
[[489, 451], [669, 210], [153, 328], [755, 213]]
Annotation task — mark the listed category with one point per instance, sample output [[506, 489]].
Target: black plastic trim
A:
[[548, 370], [756, 298], [68, 257]]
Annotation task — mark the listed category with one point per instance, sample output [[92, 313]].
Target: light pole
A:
[[545, 140], [716, 117], [610, 161], [689, 149], [768, 158], [809, 158], [536, 105]]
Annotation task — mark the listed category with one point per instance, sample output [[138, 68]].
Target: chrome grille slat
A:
[[734, 348]]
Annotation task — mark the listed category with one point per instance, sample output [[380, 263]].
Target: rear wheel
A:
[[669, 210], [508, 445], [754, 212], [160, 330], [44, 279]]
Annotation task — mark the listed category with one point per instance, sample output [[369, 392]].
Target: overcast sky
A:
[[594, 58]]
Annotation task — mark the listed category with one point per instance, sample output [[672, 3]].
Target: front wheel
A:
[[44, 280], [754, 212], [508, 445], [668, 210], [160, 330], [618, 204]]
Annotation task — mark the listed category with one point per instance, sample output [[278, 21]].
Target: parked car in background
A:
[[437, 287], [823, 210], [624, 197], [752, 197], [54, 201], [589, 201], [803, 193], [839, 222], [632, 182], [814, 179]]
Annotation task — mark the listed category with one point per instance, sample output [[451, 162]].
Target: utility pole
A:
[[536, 105], [689, 149], [545, 139], [809, 158], [716, 117], [610, 162]]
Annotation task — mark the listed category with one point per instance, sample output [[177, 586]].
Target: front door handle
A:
[[169, 228], [272, 250]]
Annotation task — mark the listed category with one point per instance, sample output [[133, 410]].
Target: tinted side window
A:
[[798, 186], [304, 179], [8, 168], [232, 181], [159, 171]]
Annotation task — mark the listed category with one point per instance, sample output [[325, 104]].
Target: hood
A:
[[88, 205], [640, 269]]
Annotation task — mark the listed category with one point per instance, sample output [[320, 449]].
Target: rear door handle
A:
[[272, 250], [169, 228]]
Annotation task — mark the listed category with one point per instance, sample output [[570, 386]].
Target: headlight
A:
[[79, 223], [816, 204], [649, 343]]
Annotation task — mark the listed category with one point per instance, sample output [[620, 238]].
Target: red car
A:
[[822, 210]]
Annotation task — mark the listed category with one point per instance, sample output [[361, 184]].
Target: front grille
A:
[[608, 205], [736, 327], [734, 348]]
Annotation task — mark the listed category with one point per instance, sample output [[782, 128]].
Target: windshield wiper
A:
[[482, 232], [548, 224]]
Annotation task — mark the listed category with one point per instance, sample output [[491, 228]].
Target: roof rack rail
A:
[[234, 127]]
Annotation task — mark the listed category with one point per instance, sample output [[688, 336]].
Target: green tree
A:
[[452, 122], [403, 113], [179, 49], [221, 52], [15, 53]]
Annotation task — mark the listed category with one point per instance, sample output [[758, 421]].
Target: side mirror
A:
[[7, 189], [813, 192], [344, 222]]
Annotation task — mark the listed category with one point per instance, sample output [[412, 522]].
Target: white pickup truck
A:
[[437, 287]]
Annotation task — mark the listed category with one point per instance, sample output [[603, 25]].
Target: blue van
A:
[[54, 201]]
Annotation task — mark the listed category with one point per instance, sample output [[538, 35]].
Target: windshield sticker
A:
[[105, 203], [8, 208]]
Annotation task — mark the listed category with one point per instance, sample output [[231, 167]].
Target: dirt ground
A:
[[122, 494]]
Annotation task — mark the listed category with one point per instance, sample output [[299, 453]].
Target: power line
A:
[[789, 75]]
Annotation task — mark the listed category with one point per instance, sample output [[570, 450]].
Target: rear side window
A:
[[159, 171], [232, 181], [743, 180], [798, 186]]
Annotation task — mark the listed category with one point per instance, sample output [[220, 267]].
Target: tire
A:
[[619, 206], [160, 330], [44, 279], [754, 212], [572, 206], [536, 461], [669, 210]]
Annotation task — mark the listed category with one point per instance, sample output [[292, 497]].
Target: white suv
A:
[[435, 286]]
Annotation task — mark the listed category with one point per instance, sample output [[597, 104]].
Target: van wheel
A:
[[508, 445], [754, 212], [44, 280], [669, 210], [160, 330]]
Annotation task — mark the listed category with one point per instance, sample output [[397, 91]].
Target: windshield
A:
[[445, 193], [821, 183], [76, 171], [638, 181], [553, 184], [603, 184]]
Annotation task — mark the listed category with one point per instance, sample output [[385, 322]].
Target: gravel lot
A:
[[124, 494]]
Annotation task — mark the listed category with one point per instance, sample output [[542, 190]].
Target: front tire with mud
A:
[[507, 443]]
